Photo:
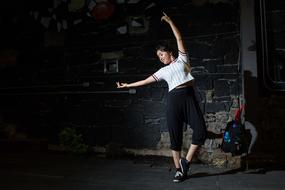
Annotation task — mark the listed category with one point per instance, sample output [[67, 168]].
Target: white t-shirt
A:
[[176, 73]]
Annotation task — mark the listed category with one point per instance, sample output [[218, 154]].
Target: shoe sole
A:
[[178, 181]]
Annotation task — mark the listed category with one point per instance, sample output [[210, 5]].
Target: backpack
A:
[[234, 138]]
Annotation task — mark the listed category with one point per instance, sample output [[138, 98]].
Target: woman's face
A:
[[164, 56]]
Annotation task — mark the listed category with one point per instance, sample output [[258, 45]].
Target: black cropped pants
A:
[[182, 107]]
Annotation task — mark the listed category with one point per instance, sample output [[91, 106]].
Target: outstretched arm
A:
[[146, 81], [176, 32]]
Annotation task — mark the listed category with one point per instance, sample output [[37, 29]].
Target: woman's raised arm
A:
[[176, 32]]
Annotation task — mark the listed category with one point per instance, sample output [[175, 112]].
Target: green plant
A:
[[72, 141]]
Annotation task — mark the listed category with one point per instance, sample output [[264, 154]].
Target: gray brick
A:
[[217, 107], [133, 51], [153, 108], [211, 65], [134, 118], [227, 68], [221, 87], [146, 136], [203, 82], [235, 87], [222, 99], [200, 49]]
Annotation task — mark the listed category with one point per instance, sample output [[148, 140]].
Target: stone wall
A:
[[76, 82]]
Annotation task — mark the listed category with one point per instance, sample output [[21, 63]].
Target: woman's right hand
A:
[[165, 18], [122, 85]]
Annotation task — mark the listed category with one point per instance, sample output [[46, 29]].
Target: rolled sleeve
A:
[[158, 75]]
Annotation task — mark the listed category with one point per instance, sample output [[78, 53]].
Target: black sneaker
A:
[[184, 164], [178, 177]]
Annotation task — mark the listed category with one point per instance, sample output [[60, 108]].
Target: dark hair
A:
[[165, 46]]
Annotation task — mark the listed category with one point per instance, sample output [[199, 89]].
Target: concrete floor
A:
[[58, 171]]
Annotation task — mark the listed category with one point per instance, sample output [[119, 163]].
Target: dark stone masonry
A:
[[68, 78]]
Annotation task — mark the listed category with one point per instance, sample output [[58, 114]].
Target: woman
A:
[[182, 106]]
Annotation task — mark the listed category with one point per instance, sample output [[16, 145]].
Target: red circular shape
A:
[[102, 10]]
